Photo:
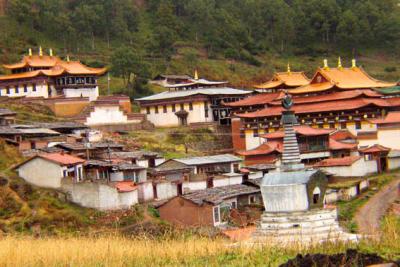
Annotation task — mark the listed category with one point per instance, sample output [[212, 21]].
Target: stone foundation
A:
[[311, 226]]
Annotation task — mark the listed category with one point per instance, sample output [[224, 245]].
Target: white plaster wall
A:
[[359, 169], [145, 192], [142, 176], [92, 93], [251, 141], [41, 173], [364, 184], [389, 138], [99, 196], [166, 191], [128, 199], [367, 142], [169, 119], [285, 198], [393, 163], [331, 196], [256, 175], [106, 115], [41, 91], [313, 155], [193, 186], [143, 163], [158, 161], [349, 193]]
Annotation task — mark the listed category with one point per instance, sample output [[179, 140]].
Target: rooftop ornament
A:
[[353, 63], [40, 51], [288, 68], [326, 67], [30, 52], [196, 75], [339, 64]]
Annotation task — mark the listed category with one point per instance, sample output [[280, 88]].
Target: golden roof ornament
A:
[[196, 75], [51, 52], [353, 63], [326, 64], [288, 68], [339, 63], [40, 51], [30, 52], [67, 58]]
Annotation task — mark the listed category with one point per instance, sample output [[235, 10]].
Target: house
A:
[[90, 150], [114, 171], [49, 76], [47, 170], [349, 166], [378, 154], [166, 79], [26, 137], [142, 158], [199, 101], [208, 207], [180, 176], [7, 117], [336, 98]]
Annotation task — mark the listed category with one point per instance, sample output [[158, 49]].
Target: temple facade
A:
[[198, 101], [49, 76], [336, 98]]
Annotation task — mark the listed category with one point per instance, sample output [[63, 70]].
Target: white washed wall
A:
[[285, 198], [106, 115], [41, 173], [92, 93]]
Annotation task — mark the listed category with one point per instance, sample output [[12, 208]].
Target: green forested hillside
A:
[[243, 41]]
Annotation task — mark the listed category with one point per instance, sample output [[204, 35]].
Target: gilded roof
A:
[[285, 79], [52, 66], [342, 78]]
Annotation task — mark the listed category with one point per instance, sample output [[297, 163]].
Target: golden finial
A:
[[326, 64], [288, 67], [196, 75], [30, 52], [353, 63], [51, 52], [339, 63], [40, 51], [67, 58]]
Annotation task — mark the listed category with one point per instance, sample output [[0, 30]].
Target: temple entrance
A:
[[382, 164], [179, 189], [316, 195], [182, 117]]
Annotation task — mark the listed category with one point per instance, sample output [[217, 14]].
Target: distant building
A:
[[209, 207], [49, 76], [7, 116], [198, 101], [167, 80]]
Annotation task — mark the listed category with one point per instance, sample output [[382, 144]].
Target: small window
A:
[[233, 205], [148, 110], [173, 108], [242, 135], [16, 89], [255, 133], [206, 109], [342, 125], [216, 215], [34, 87], [190, 106], [358, 125], [332, 125], [320, 126], [65, 173], [182, 106], [156, 109], [165, 109], [25, 88], [8, 91], [252, 199]]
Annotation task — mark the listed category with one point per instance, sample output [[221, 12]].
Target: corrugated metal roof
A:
[[287, 178], [202, 91], [224, 158]]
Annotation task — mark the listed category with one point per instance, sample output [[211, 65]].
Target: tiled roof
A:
[[391, 117], [301, 129], [125, 186], [374, 148], [333, 96], [264, 149], [333, 162], [342, 78], [336, 145], [223, 158], [6, 112], [342, 134], [62, 159], [339, 105], [259, 99], [192, 92], [286, 79], [216, 195]]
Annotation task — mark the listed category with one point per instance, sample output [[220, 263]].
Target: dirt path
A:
[[369, 215]]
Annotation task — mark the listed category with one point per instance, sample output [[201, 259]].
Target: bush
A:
[[390, 69]]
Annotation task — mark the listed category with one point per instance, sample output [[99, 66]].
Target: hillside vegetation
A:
[[235, 40]]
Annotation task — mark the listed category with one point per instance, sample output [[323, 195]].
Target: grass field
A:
[[187, 251]]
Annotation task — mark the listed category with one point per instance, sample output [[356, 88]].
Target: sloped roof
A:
[[374, 148], [342, 78], [287, 178], [125, 186], [333, 162], [300, 129], [285, 79], [192, 92], [217, 195], [63, 159], [391, 117], [263, 149], [6, 112], [336, 145], [259, 99], [390, 90], [339, 105], [223, 158], [342, 134]]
